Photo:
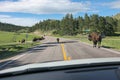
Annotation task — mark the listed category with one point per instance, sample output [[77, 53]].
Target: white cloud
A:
[[18, 21], [5, 16], [44, 6], [114, 4]]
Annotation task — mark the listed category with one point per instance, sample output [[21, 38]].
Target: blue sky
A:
[[29, 12]]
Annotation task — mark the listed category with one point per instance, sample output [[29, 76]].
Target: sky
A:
[[29, 12]]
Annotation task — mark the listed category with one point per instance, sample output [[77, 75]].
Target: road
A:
[[49, 51]]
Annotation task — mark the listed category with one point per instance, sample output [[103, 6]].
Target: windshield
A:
[[40, 31]]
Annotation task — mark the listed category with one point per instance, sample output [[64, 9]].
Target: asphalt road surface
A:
[[50, 50]]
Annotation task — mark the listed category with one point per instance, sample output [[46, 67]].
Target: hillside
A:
[[10, 27], [117, 16]]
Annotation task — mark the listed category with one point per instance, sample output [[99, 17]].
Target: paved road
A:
[[49, 50]]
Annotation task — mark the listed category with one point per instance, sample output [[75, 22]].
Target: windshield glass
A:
[[40, 31]]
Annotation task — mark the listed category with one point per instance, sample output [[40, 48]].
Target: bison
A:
[[57, 40], [96, 38], [23, 41], [38, 39], [35, 39]]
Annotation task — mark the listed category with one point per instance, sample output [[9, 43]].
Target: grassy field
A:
[[10, 37], [9, 45], [112, 42], [7, 51]]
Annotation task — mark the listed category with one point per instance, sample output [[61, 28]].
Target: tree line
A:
[[117, 16], [69, 25]]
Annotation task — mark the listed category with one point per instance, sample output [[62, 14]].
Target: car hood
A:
[[63, 64]]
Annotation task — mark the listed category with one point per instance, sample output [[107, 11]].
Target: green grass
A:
[[9, 45], [7, 51], [112, 42], [10, 37]]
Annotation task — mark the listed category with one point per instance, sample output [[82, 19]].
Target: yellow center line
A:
[[69, 58], [64, 53]]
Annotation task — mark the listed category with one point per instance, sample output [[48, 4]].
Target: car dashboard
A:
[[92, 73]]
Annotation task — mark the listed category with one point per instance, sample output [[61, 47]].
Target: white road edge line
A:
[[17, 57], [117, 52], [12, 60]]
